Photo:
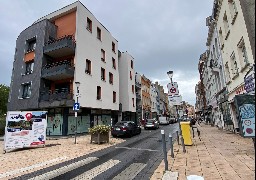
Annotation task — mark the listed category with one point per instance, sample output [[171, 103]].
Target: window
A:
[[26, 90], [133, 89], [102, 55], [226, 25], [114, 97], [221, 38], [217, 47], [227, 72], [113, 63], [110, 78], [131, 75], [98, 92], [88, 66], [243, 57], [113, 47], [89, 25], [98, 33], [133, 102], [234, 64], [31, 45], [233, 10], [132, 64], [103, 78], [29, 67]]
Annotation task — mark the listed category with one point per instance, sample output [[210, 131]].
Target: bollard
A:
[[171, 144], [183, 145], [49, 133], [164, 151], [178, 138]]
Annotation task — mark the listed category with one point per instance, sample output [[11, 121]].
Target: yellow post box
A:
[[186, 133]]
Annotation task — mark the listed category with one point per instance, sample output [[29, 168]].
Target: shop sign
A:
[[249, 83], [240, 90]]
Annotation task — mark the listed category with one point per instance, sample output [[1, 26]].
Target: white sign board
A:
[[25, 129], [175, 100], [173, 89]]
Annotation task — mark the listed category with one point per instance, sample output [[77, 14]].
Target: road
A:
[[136, 158]]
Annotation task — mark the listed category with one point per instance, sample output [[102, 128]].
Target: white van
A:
[[163, 120]]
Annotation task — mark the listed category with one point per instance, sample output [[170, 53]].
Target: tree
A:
[[4, 93]]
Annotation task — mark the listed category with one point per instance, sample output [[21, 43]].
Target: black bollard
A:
[[171, 145], [183, 145], [164, 151], [178, 138]]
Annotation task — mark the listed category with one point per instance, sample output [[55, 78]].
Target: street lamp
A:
[[170, 74], [77, 95]]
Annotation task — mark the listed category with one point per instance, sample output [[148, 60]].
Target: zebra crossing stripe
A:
[[97, 170], [130, 172], [64, 169]]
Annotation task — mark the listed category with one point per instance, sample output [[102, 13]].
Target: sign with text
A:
[[175, 100], [173, 89], [25, 129]]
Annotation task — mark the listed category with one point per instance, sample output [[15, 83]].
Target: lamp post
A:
[[170, 75], [77, 95]]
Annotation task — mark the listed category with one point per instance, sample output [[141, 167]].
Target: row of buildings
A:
[[226, 68], [69, 57]]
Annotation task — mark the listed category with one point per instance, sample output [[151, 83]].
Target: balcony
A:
[[137, 84], [63, 98], [58, 71], [138, 96], [61, 47]]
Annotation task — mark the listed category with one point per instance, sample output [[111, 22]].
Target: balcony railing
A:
[[56, 96], [138, 96], [60, 47], [137, 84], [57, 71]]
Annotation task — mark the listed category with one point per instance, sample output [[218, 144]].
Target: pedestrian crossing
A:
[[127, 174]]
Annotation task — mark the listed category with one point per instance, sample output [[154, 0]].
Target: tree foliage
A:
[[4, 93]]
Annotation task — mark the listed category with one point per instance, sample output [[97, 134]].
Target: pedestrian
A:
[[194, 126]]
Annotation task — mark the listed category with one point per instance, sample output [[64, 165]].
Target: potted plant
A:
[[99, 133]]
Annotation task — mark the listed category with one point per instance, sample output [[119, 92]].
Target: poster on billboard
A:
[[173, 89], [25, 129]]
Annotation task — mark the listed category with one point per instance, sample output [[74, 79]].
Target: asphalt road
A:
[[136, 158]]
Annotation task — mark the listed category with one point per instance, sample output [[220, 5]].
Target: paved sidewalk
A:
[[220, 155], [57, 150]]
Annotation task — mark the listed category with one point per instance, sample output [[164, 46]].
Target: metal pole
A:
[[76, 117], [164, 151], [171, 145], [183, 145], [178, 138]]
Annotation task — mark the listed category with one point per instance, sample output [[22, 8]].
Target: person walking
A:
[[194, 126]]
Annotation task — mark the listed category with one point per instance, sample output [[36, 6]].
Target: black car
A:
[[125, 128]]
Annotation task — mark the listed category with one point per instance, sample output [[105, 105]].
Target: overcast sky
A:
[[161, 35]]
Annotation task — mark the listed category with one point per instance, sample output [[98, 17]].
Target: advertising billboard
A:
[[25, 129]]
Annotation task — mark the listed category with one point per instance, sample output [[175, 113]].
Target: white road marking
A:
[[97, 170], [17, 171], [64, 169], [137, 149], [130, 172]]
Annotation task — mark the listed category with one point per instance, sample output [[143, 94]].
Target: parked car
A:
[[172, 119], [151, 124], [185, 119], [164, 120], [125, 128]]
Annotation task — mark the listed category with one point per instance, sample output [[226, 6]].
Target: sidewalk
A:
[[219, 155]]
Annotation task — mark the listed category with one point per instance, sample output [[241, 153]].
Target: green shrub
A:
[[99, 129]]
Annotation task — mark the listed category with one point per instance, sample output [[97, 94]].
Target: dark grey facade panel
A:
[[41, 32]]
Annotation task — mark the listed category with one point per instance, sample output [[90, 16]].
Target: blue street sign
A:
[[76, 107]]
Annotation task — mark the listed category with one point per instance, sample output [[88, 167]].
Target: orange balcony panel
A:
[[29, 56]]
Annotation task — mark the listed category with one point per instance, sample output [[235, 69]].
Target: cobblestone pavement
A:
[[220, 155], [24, 161]]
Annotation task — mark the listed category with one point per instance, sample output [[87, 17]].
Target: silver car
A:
[[151, 124]]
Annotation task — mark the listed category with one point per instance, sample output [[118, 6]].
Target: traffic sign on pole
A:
[[76, 107]]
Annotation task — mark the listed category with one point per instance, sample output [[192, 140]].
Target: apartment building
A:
[[146, 101], [237, 54], [65, 57], [153, 98], [138, 96], [127, 86]]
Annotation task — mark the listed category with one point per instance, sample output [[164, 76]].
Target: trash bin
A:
[[186, 133]]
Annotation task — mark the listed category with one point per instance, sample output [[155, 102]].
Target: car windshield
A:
[[150, 120], [121, 124]]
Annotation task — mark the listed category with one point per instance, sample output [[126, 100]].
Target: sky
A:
[[161, 35]]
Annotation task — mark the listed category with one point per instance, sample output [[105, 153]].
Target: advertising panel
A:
[[25, 129]]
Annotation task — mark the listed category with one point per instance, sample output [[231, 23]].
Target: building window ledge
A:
[[245, 66], [236, 75], [227, 35]]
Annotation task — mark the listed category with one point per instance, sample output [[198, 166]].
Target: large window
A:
[[89, 25], [26, 90], [98, 33], [114, 97], [110, 78], [227, 72], [103, 77], [31, 45], [234, 65], [103, 54], [29, 67], [88, 66], [98, 92], [113, 47], [113, 63]]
